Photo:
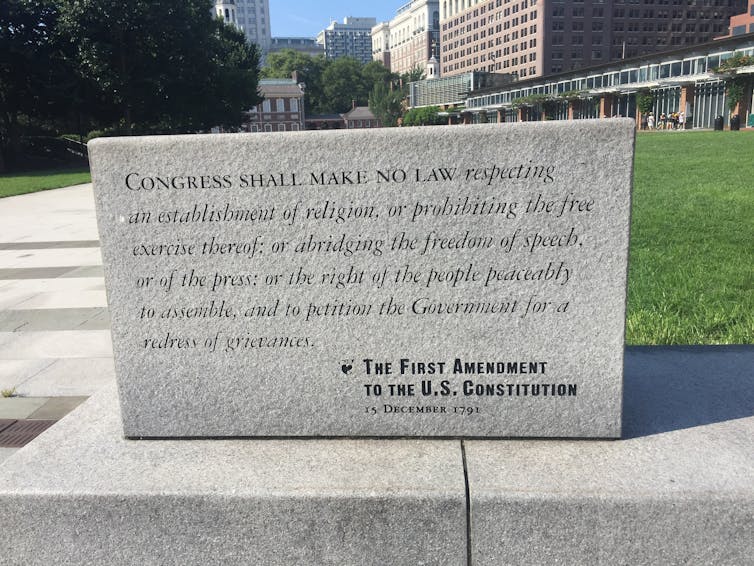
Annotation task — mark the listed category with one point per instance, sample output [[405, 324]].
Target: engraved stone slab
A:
[[444, 281]]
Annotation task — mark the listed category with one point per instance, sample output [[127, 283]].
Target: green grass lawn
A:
[[21, 183], [691, 267]]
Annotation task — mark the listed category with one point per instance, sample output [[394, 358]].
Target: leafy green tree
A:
[[424, 116], [645, 101], [415, 74], [35, 80], [374, 73], [160, 66], [385, 102], [344, 85]]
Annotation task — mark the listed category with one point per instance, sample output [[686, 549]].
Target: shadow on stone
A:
[[678, 387]]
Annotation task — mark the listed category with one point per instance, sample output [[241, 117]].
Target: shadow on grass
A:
[[677, 387]]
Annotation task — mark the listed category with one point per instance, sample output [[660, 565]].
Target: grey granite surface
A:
[[678, 491], [444, 281], [81, 494]]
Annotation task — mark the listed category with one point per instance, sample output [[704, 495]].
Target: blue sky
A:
[[307, 17]]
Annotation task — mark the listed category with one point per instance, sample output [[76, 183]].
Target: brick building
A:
[[282, 109], [539, 37]]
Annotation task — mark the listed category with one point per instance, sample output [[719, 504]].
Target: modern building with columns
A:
[[682, 80]]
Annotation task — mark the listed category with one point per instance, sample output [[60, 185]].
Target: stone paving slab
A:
[[64, 300], [678, 490], [15, 372], [54, 319], [52, 285], [49, 245], [58, 215], [69, 377], [81, 494], [49, 272], [86, 271], [65, 377], [66, 292], [20, 407], [60, 344], [44, 258], [56, 408]]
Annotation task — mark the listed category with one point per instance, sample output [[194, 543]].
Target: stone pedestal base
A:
[[678, 489]]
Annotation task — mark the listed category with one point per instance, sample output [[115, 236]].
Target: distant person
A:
[[651, 121], [681, 120], [663, 121]]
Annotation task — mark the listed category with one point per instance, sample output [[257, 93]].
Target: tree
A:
[[374, 73], [34, 77], [385, 102], [424, 116], [344, 85], [415, 74], [160, 66], [645, 101]]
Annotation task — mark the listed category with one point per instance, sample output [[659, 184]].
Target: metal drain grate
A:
[[5, 423], [21, 432]]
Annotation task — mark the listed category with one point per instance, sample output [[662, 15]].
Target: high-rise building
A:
[[352, 38], [540, 37], [408, 40], [253, 17]]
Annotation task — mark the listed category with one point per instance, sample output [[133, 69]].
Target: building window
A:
[[279, 105], [266, 106], [281, 127]]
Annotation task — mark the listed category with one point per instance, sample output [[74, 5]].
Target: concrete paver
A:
[[15, 372], [20, 407], [49, 216], [57, 407], [55, 344], [54, 319], [43, 258], [66, 377], [64, 300]]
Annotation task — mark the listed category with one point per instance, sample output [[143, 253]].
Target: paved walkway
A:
[[55, 346]]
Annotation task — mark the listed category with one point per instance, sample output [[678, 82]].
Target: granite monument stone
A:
[[439, 281]]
